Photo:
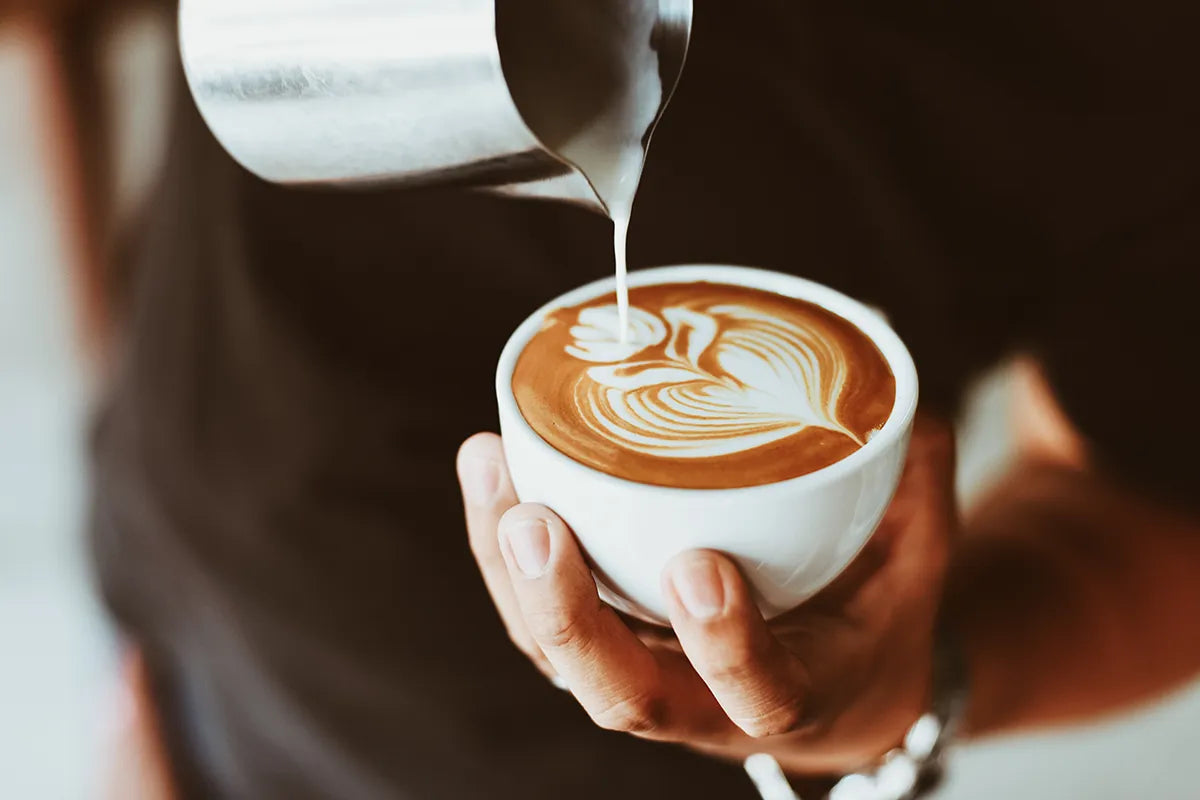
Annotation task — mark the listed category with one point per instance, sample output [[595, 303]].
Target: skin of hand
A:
[[137, 764], [827, 687]]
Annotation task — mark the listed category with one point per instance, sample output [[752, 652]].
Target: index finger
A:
[[759, 684], [488, 493], [618, 680]]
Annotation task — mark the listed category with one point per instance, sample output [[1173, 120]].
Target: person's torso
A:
[[275, 459]]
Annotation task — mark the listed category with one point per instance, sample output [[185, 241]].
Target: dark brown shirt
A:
[[277, 519]]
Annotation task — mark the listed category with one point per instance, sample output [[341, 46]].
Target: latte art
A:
[[728, 379], [712, 386]]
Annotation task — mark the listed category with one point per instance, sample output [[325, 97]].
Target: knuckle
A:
[[734, 672], [773, 721], [556, 629], [639, 715], [740, 663]]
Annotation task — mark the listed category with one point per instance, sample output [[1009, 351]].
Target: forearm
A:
[[1073, 598]]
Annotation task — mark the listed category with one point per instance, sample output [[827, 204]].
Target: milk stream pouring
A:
[[548, 98]]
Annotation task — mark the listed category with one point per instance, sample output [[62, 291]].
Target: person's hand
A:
[[825, 688]]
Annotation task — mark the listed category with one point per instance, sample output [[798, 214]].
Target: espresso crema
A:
[[713, 386]]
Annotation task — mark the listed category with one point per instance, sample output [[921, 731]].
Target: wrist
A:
[[917, 765]]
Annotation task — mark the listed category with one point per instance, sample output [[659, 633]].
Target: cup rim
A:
[[869, 321]]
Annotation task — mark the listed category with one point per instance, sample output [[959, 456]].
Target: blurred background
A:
[[58, 657], [55, 652]]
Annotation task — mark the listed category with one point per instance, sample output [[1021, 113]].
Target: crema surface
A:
[[715, 386]]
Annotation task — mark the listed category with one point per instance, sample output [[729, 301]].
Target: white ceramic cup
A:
[[789, 538]]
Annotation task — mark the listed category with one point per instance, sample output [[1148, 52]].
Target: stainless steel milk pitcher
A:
[[471, 92]]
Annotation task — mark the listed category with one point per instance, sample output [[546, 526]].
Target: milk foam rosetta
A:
[[713, 386]]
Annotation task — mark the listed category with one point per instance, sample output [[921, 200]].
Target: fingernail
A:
[[529, 543], [481, 479], [698, 585]]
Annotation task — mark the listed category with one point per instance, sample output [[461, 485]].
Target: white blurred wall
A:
[[55, 653]]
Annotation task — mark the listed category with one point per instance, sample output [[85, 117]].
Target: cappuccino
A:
[[707, 386]]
